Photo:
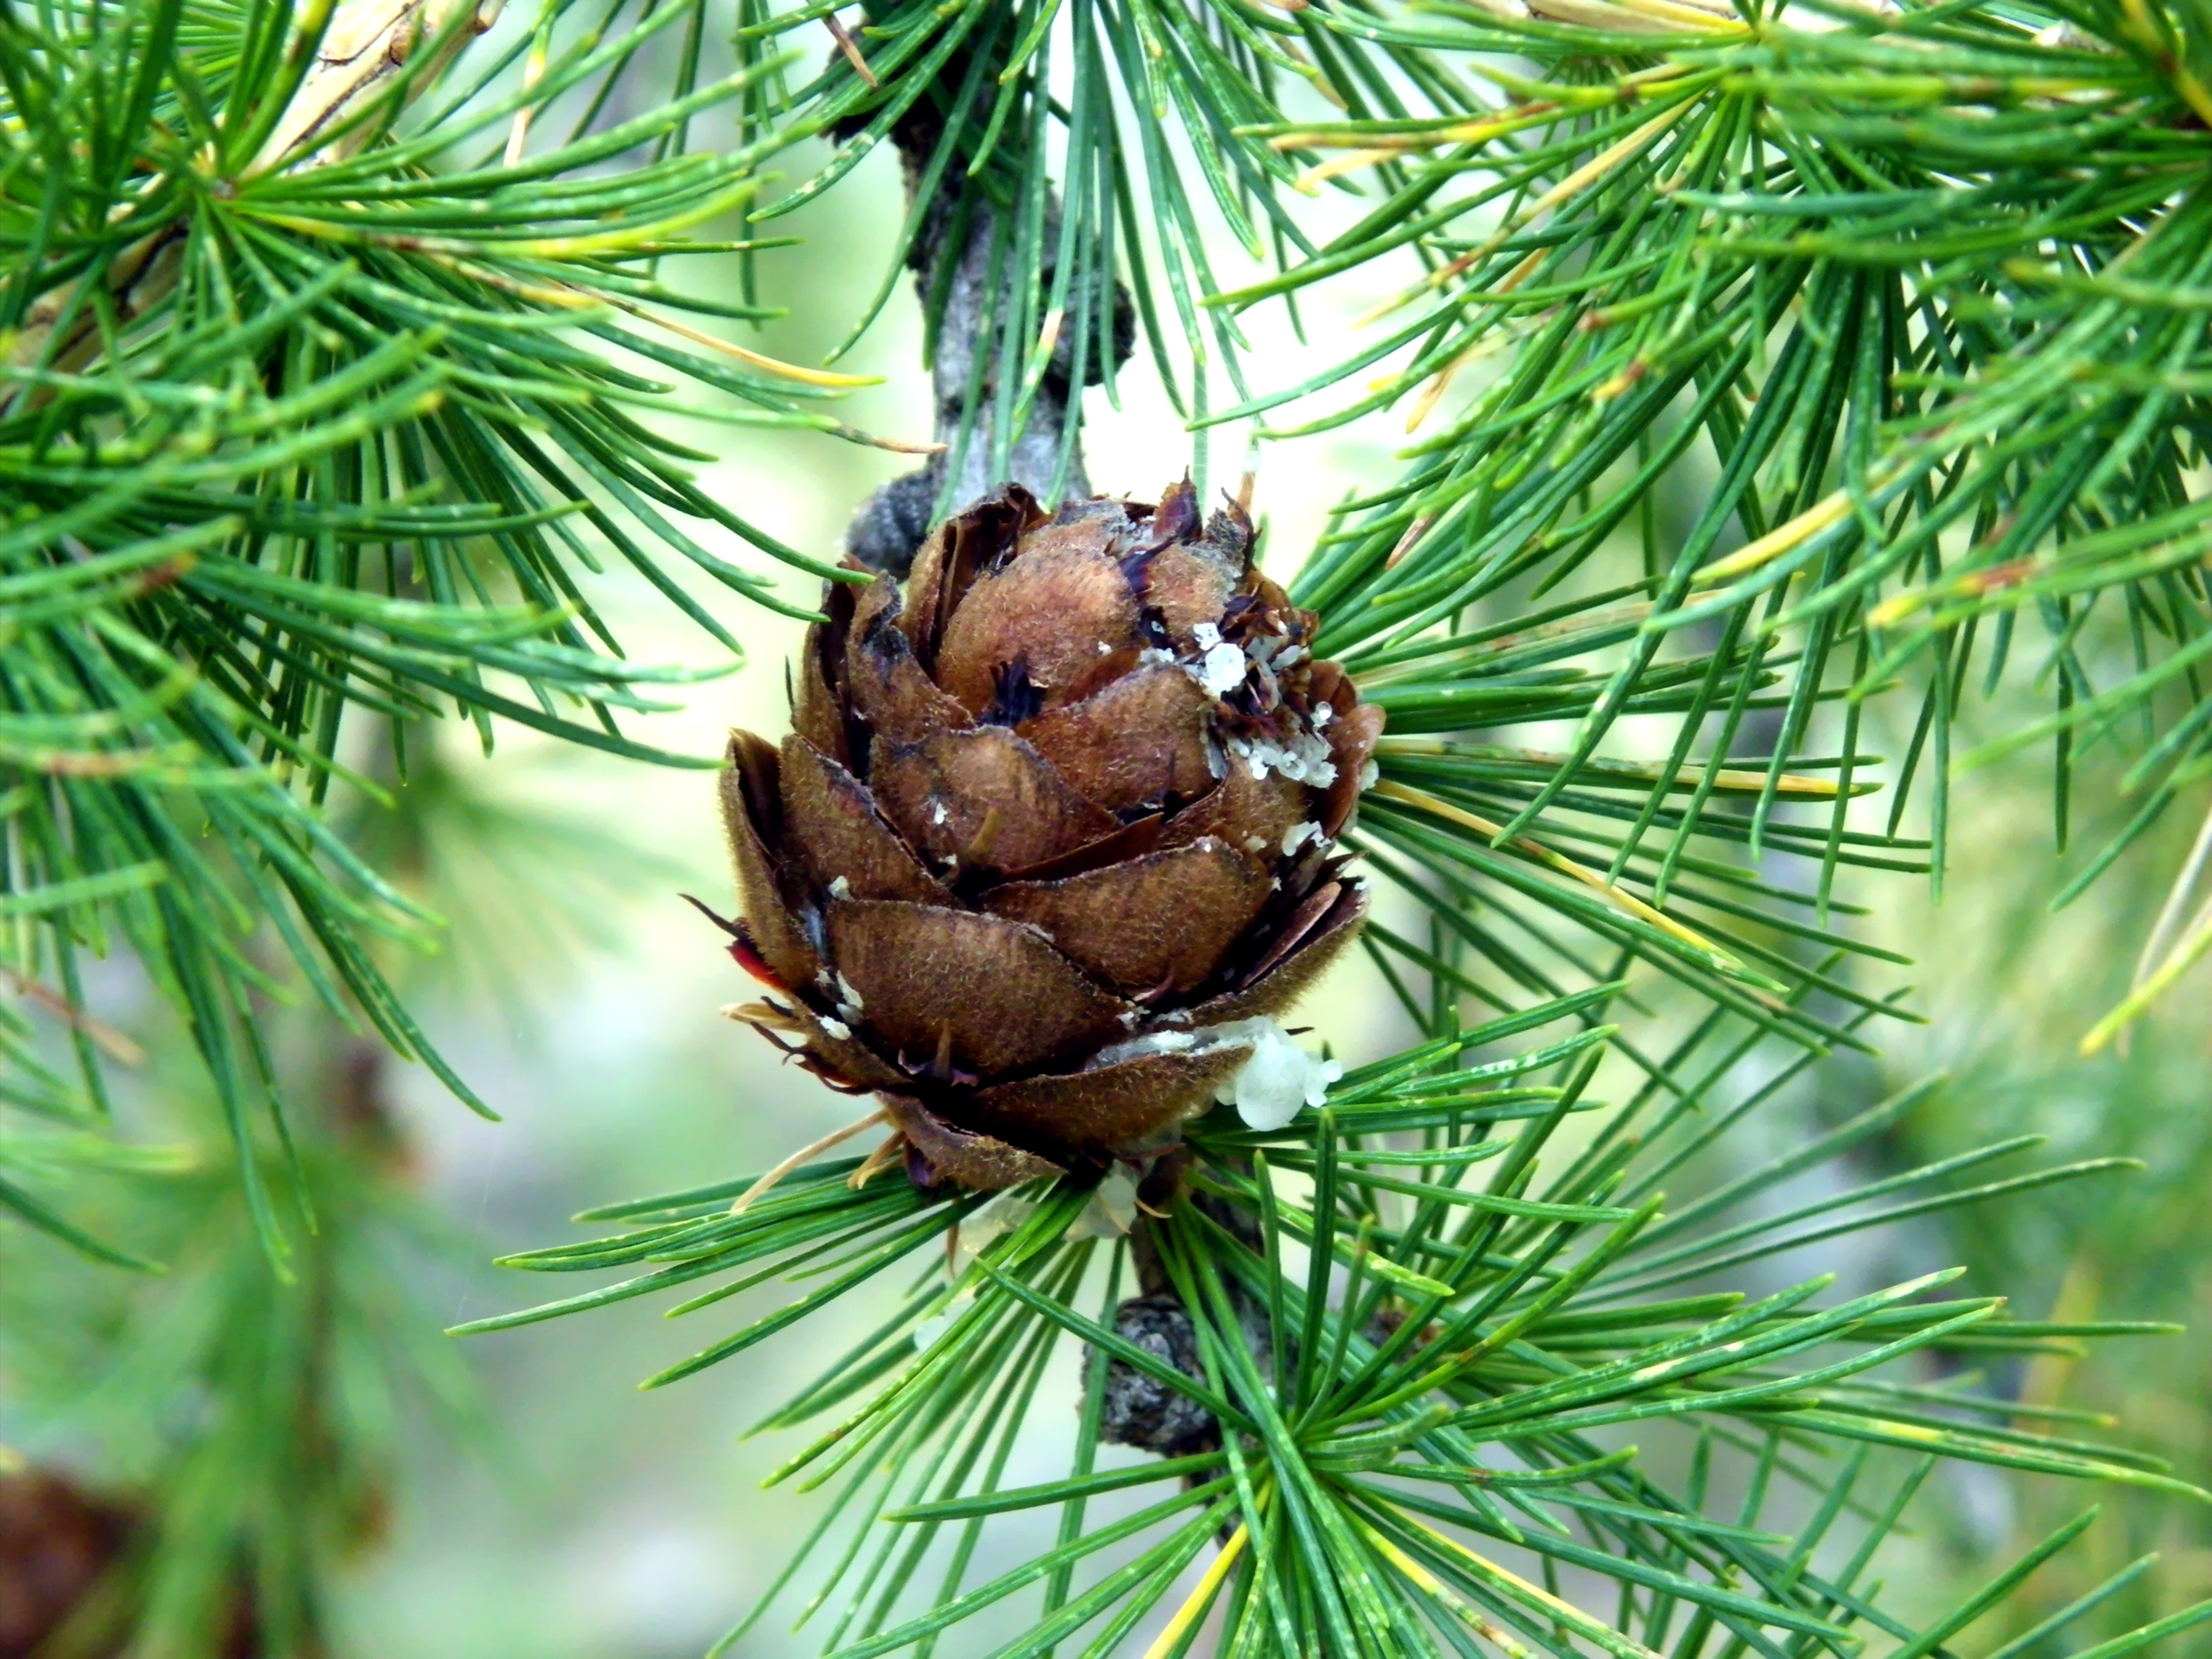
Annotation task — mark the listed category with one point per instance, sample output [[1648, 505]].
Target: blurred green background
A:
[[541, 1507]]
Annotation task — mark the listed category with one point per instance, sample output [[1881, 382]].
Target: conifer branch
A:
[[1003, 414], [1903, 301]]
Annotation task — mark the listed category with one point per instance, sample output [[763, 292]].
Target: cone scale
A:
[[1054, 835]]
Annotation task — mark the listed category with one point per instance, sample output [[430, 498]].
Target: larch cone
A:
[[1052, 822]]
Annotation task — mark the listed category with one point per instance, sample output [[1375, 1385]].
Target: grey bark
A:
[[892, 523], [1143, 1411]]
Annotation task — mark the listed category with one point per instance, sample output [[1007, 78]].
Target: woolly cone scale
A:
[[1048, 815]]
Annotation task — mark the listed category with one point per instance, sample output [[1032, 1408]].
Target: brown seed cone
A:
[[1071, 794], [70, 1566], [57, 1542]]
